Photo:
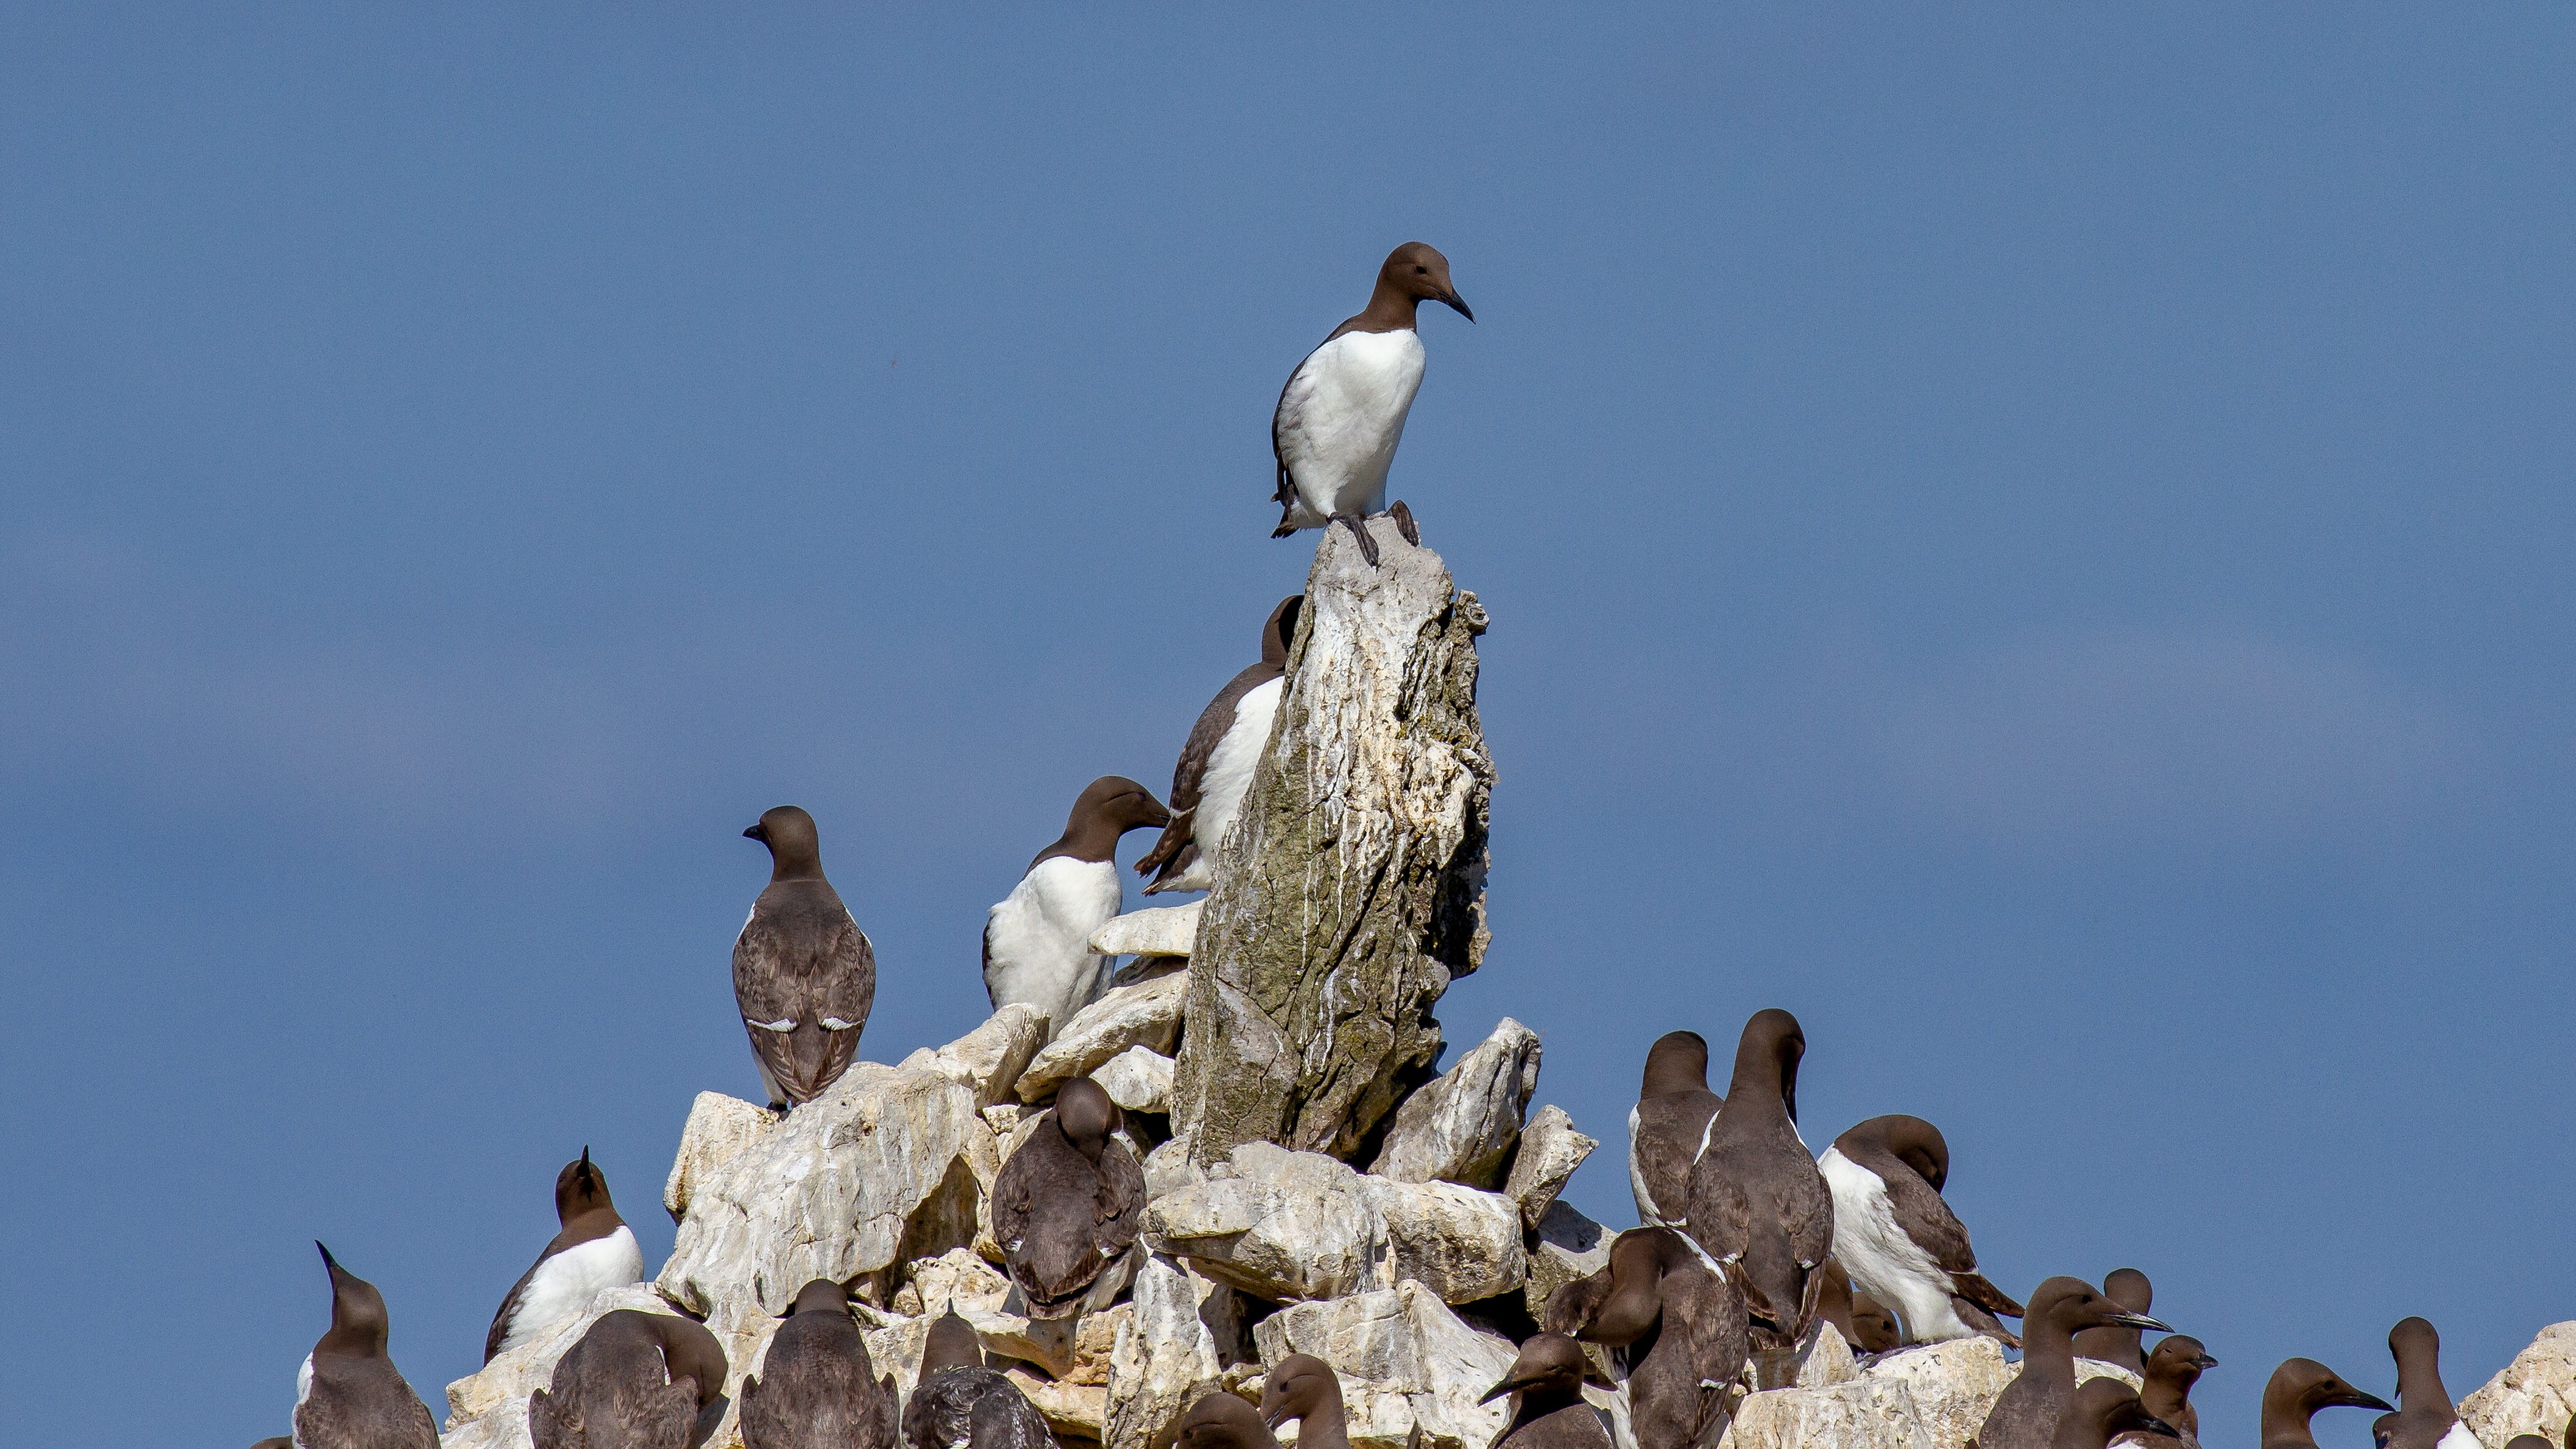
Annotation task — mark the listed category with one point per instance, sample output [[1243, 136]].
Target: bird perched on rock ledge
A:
[[1037, 939], [1342, 413], [595, 1250], [1067, 1204], [803, 972]]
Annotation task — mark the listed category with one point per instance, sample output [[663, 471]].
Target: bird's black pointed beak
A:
[[2140, 1320], [2355, 1398], [1458, 302], [1498, 1390], [1272, 1416], [2204, 1362], [756, 833], [328, 1262]]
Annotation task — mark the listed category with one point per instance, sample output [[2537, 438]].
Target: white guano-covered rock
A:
[[2534, 1394], [1863, 1413], [1153, 931], [1147, 1014], [1551, 1149], [1954, 1385], [1165, 1355], [990, 1058], [1461, 1126], [1138, 1079], [489, 1409], [719, 1129], [1406, 1363], [1460, 1243], [874, 1171]]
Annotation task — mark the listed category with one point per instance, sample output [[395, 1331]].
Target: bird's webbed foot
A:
[[1359, 530], [1403, 517]]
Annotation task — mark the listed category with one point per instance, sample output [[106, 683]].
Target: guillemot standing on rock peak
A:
[[1668, 1128], [2026, 1414], [1217, 760], [958, 1403], [1342, 413], [636, 1380], [803, 972], [816, 1388], [349, 1395], [1305, 1388], [1548, 1411], [2130, 1289], [1758, 1202], [1067, 1204], [1899, 1240], [2425, 1416], [594, 1250], [2172, 1369], [2297, 1389], [1674, 1324], [1037, 940]]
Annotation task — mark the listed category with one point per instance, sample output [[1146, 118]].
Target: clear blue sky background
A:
[[2036, 539]]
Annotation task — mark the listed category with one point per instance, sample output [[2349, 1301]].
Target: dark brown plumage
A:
[[1675, 1325], [803, 972], [2026, 1414], [2298, 1388], [2100, 1409], [816, 1388], [636, 1380], [2424, 1409], [2130, 1289], [352, 1396], [1886, 1175], [1863, 1321], [1176, 854], [1758, 1203], [1220, 1420], [1668, 1126], [958, 1403], [585, 1214], [1305, 1388], [1546, 1385], [2172, 1369], [1067, 1204]]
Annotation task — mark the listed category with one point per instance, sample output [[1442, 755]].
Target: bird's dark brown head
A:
[[2300, 1387], [1417, 270], [822, 1296], [359, 1325], [1677, 1062], [2070, 1305], [951, 1343], [2104, 1409], [1279, 631], [2130, 1289], [1221, 1420], [1300, 1386], [2178, 1360], [1766, 1059], [1550, 1366], [1086, 1116], [581, 1188], [1118, 804], [1910, 1140], [795, 848]]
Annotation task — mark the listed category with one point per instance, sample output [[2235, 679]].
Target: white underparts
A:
[[1882, 1261], [1037, 941], [1341, 418], [563, 1286]]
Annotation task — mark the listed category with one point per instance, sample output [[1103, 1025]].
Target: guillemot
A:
[[652, 1380], [1217, 759], [2296, 1390], [594, 1250], [1674, 1324], [959, 1403], [2425, 1416], [816, 1388], [349, 1395], [1342, 412], [2026, 1414], [1669, 1126], [1897, 1237], [1067, 1204], [1758, 1203], [1037, 940], [2130, 1289], [803, 972]]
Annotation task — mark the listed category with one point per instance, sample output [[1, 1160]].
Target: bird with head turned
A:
[[1217, 761], [804, 974], [1222, 1420], [2425, 1417], [2176, 1364], [1037, 939], [1305, 1388], [1669, 1126], [1545, 1384], [349, 1395], [634, 1380], [1673, 1323], [1898, 1239], [594, 1250], [2296, 1391], [2130, 1289], [2101, 1410], [2026, 1414], [1759, 1204], [959, 1403], [817, 1388]]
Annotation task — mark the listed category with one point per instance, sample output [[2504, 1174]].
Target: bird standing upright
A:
[[636, 1380], [1899, 1240], [2101, 1409], [1674, 1325], [1546, 1388], [1217, 760], [2172, 1369], [1668, 1128], [1305, 1388], [2297, 1389], [816, 1388], [594, 1250], [2130, 1289], [1342, 413], [2026, 1414], [958, 1403], [803, 972], [349, 1395], [1758, 1202], [1037, 939], [2425, 1416]]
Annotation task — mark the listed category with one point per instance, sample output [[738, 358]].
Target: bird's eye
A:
[[1419, 267]]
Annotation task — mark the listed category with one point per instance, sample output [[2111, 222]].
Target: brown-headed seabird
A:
[[636, 1380], [1674, 1325], [958, 1403], [1217, 760], [2425, 1416], [803, 972], [1669, 1126], [1067, 1204], [2100, 1410], [1037, 939], [1548, 1411], [1758, 1203], [594, 1250], [2298, 1388], [2176, 1364], [349, 1395], [2026, 1414], [816, 1388], [1305, 1388], [2130, 1289], [1898, 1239]]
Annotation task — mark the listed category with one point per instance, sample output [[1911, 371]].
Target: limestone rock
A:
[[1461, 1127], [1153, 931], [1351, 891], [1550, 1151], [990, 1058], [2535, 1394], [1825, 1360], [1460, 1243], [1073, 1411], [1164, 1358], [489, 1409], [956, 1277], [1862, 1413], [719, 1129], [2094, 1368], [874, 1172], [1147, 1014], [1406, 1362], [1566, 1246], [1954, 1385], [1138, 1079], [1274, 1223]]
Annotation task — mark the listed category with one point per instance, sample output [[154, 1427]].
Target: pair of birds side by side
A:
[[1544, 1386]]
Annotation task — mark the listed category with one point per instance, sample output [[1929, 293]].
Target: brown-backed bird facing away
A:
[[958, 1403], [1305, 1388], [816, 1388], [594, 1250], [635, 1381], [1219, 1420], [1674, 1325], [2026, 1414], [349, 1394], [1899, 1240], [1037, 939], [2298, 1388], [2130, 1289], [1758, 1204], [2425, 1416], [2176, 1364], [2100, 1410], [1863, 1321], [1217, 760], [803, 972], [1067, 1204], [1548, 1411], [1342, 412], [1669, 1126]]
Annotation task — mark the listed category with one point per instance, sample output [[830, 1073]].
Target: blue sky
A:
[[2034, 538]]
